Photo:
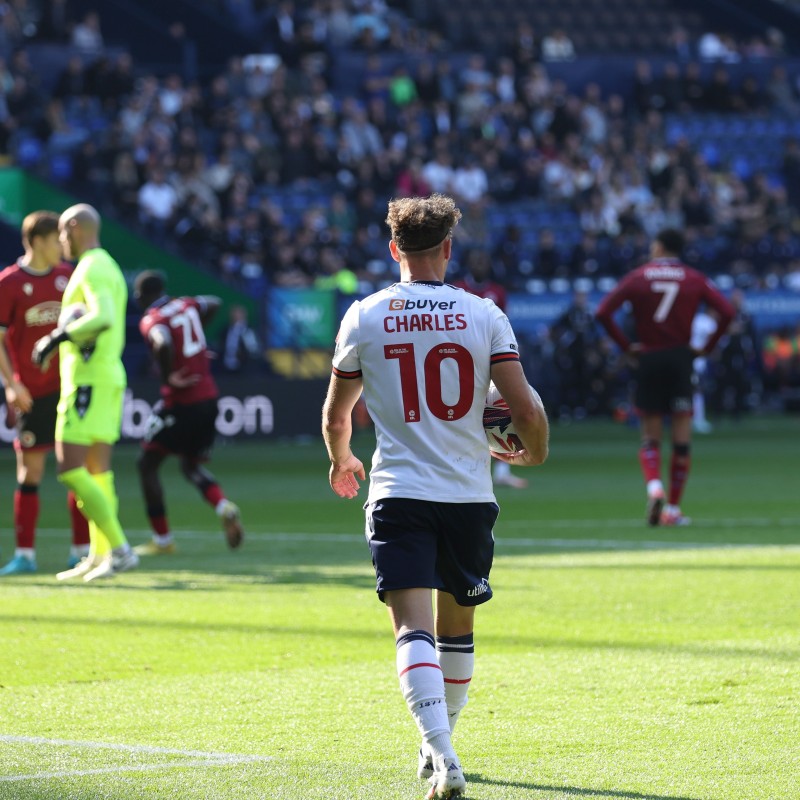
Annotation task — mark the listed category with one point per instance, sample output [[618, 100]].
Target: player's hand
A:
[[18, 397], [182, 378], [520, 458], [633, 352], [343, 477], [44, 347]]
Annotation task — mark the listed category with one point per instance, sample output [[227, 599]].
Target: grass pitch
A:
[[615, 661]]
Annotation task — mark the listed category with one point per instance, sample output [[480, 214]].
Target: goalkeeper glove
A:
[[45, 346]]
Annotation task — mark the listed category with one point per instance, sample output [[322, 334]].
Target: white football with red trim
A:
[[500, 433]]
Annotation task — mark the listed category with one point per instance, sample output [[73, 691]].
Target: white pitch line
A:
[[126, 748], [77, 773], [197, 758]]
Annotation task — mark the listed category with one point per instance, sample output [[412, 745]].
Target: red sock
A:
[[159, 525], [26, 512], [213, 494], [650, 460], [80, 525], [679, 472]]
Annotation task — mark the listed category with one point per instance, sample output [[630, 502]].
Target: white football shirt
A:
[[424, 351]]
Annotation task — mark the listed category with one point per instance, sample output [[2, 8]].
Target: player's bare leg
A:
[[149, 465], [423, 686], [679, 469], [651, 429], [207, 485], [30, 471]]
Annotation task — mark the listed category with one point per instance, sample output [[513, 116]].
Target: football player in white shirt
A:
[[703, 325], [423, 353]]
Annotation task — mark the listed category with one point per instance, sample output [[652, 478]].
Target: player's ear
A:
[[447, 249], [393, 250]]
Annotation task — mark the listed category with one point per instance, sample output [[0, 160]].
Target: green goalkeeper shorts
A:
[[90, 414]]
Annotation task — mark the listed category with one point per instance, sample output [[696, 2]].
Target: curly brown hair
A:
[[422, 223]]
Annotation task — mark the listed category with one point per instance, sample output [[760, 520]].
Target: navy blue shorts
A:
[[423, 544]]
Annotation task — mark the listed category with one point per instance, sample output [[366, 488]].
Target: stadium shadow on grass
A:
[[488, 639], [612, 794]]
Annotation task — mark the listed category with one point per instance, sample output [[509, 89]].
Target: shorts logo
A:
[[397, 305], [480, 589], [61, 283], [27, 438], [83, 398]]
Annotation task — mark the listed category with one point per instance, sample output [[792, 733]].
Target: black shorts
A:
[[36, 430], [664, 381], [423, 544], [185, 430]]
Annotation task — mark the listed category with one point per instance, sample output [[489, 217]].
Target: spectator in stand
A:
[[575, 337], [158, 202], [239, 343], [558, 47], [411, 182], [469, 184], [438, 172], [739, 361], [86, 35]]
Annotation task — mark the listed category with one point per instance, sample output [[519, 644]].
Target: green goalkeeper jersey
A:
[[93, 354]]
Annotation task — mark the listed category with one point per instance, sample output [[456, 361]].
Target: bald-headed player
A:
[[93, 382]]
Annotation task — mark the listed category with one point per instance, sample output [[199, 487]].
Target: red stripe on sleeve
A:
[[339, 373], [498, 357]]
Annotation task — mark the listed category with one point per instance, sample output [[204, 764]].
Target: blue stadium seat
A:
[[29, 152], [60, 167]]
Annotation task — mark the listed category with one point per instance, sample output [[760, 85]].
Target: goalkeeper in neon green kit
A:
[[93, 382]]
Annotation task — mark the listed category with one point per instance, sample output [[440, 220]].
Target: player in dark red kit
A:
[[664, 296], [478, 281], [30, 303], [183, 421]]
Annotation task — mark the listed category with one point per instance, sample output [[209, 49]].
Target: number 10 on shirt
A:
[[432, 368]]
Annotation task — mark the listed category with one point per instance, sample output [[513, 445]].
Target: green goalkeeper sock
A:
[[97, 500], [105, 480]]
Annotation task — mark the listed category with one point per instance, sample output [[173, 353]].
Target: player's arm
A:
[[527, 414], [605, 316], [160, 340], [207, 305], [100, 316], [17, 394], [337, 430], [725, 312]]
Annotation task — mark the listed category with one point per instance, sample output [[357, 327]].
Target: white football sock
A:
[[422, 684], [456, 656]]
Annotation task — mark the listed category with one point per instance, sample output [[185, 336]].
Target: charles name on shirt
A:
[[407, 323]]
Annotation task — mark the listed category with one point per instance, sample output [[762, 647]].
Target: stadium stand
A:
[[269, 158]]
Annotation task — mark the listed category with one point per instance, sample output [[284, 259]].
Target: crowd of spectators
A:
[[269, 174]]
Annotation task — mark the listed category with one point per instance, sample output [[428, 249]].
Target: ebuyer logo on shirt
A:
[[431, 305]]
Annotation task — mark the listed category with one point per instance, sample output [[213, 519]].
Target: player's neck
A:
[[93, 245], [422, 272], [35, 263]]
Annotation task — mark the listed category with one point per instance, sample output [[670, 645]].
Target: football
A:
[[70, 313], [499, 429]]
